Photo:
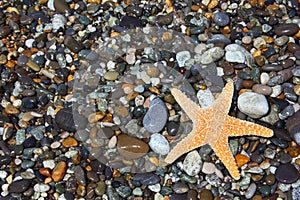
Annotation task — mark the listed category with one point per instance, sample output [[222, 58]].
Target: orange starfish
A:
[[213, 126]]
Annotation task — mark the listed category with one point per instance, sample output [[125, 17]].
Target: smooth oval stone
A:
[[159, 144], [219, 38], [262, 89], [287, 173], [147, 178], [286, 29], [80, 175], [180, 187], [4, 31], [151, 121], [19, 186], [192, 195], [253, 104], [221, 19], [131, 147], [206, 194], [280, 41]]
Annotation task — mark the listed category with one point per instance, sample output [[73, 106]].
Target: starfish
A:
[[213, 126]]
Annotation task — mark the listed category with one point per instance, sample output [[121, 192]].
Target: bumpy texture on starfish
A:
[[213, 126]]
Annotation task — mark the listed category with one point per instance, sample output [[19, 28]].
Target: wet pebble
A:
[[147, 178], [286, 29], [150, 121], [159, 144], [131, 147], [19, 186]]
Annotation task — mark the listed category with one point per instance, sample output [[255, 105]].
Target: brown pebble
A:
[[297, 89], [45, 172], [61, 6], [248, 84], [132, 96], [257, 197], [59, 171], [154, 90], [270, 179], [131, 147], [241, 159], [260, 60], [11, 110], [192, 195], [122, 111], [69, 142], [292, 47], [152, 71], [262, 89], [206, 194], [94, 117]]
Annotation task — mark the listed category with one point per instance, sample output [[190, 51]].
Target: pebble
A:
[[262, 89], [192, 163], [286, 29], [131, 147], [180, 187], [253, 105], [293, 126], [282, 40], [182, 57], [80, 175], [19, 186], [221, 19], [208, 168], [151, 122], [41, 187], [206, 194], [111, 75], [286, 173], [146, 178], [205, 98], [250, 191], [69, 142], [59, 171], [72, 44], [159, 144], [64, 119]]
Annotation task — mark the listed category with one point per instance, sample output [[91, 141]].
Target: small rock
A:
[[147, 178], [208, 168], [59, 171], [111, 75], [205, 98], [159, 144], [192, 163], [131, 147], [182, 57], [287, 173], [153, 123], [252, 104], [221, 19]]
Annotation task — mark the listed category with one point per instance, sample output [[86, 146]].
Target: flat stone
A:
[[151, 122], [182, 57], [131, 147], [180, 187], [159, 144], [235, 56], [262, 89], [253, 105]]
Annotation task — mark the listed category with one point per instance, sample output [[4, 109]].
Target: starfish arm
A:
[[190, 142], [193, 110], [222, 150], [237, 127], [223, 102]]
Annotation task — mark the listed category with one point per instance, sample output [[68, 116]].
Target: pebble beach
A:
[[86, 110]]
